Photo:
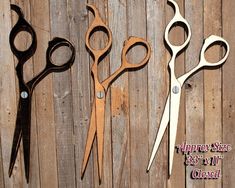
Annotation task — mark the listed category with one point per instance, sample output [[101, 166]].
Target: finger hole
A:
[[180, 35], [136, 53], [23, 41], [215, 52], [61, 55], [99, 38]]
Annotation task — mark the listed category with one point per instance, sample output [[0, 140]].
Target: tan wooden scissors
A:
[[98, 111], [171, 111]]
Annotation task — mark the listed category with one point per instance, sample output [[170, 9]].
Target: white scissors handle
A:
[[213, 39], [177, 19]]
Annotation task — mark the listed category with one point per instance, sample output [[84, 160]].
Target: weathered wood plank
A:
[[7, 88], [1, 170], [228, 94], [81, 79], [212, 86], [194, 86], [40, 16], [60, 26], [138, 100], [119, 98], [158, 82]]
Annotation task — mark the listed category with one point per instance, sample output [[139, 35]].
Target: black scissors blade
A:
[[22, 130], [16, 140], [26, 127]]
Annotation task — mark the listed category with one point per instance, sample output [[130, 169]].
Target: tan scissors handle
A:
[[177, 19], [97, 24], [128, 44]]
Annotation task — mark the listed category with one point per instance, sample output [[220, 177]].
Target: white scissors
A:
[[171, 111]]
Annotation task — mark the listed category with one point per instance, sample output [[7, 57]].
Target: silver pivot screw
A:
[[24, 94], [100, 94], [175, 89]]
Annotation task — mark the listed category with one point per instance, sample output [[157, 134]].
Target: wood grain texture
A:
[[213, 86], [44, 99], [157, 80], [61, 105], [138, 92], [60, 26], [81, 84], [194, 86], [7, 93], [119, 98], [228, 94]]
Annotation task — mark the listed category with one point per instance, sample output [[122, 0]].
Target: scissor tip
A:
[[10, 171], [82, 175], [99, 181], [147, 170], [27, 177]]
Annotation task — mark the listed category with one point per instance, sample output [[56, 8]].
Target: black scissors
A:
[[23, 120]]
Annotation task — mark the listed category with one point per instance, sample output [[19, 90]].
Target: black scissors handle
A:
[[22, 25], [54, 44]]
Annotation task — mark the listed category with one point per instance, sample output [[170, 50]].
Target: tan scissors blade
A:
[[100, 122], [90, 140]]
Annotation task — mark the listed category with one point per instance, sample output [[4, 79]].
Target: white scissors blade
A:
[[162, 128], [174, 117]]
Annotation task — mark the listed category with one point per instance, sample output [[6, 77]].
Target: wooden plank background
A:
[[62, 102]]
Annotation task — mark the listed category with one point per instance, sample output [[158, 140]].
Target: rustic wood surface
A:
[[61, 104]]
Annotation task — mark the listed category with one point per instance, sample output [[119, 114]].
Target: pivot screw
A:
[[100, 94], [175, 89], [24, 94]]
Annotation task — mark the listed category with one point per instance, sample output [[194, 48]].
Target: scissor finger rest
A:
[[54, 45], [210, 41], [22, 25], [128, 45], [131, 43], [97, 25], [50, 67]]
